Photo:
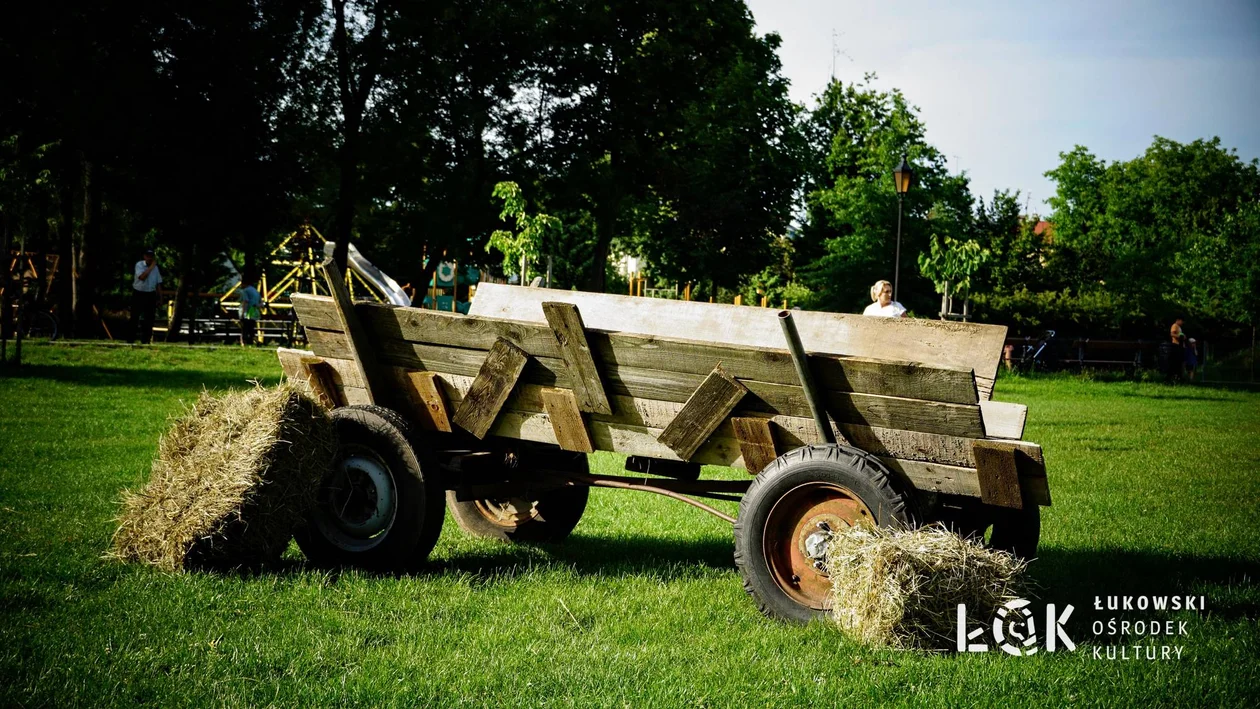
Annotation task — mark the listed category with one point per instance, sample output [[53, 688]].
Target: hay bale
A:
[[233, 478], [901, 588]]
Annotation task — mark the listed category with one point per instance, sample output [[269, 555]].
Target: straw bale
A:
[[233, 477], [901, 588]]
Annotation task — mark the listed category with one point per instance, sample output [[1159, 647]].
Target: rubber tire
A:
[[559, 511], [860, 472], [418, 515], [1017, 532]]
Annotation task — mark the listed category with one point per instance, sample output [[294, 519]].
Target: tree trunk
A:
[[343, 220], [180, 310], [64, 281], [420, 281], [85, 266]]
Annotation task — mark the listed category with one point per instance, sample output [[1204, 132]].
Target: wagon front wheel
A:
[[544, 517], [379, 507], [786, 519]]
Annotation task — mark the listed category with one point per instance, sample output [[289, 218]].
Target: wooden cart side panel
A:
[[786, 399], [632, 428], [946, 344], [772, 364]]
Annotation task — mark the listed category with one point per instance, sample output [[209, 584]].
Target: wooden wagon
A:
[[838, 419]]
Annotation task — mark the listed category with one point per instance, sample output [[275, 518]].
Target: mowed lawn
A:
[[1155, 490]]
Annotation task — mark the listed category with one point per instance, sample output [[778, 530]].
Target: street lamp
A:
[[901, 180]]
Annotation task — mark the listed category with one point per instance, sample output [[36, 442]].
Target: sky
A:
[[1004, 87]]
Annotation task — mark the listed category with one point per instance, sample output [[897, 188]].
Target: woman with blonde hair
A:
[[884, 306]]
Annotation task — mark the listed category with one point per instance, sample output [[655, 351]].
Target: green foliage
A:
[[521, 247], [1171, 231], [951, 263]]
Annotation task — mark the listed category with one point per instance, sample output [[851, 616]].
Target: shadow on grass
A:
[[158, 377], [1230, 585], [658, 558]]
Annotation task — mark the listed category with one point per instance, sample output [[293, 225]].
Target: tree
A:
[[524, 246], [358, 63], [857, 135]]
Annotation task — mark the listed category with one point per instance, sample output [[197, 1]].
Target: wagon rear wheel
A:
[[1017, 532], [786, 518], [379, 508]]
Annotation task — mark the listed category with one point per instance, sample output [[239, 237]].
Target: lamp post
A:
[[901, 180]]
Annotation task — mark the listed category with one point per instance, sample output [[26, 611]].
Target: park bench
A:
[[870, 420]]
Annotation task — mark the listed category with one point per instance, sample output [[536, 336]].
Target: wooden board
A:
[[772, 364], [566, 325], [932, 342], [997, 470], [1003, 420], [491, 388], [362, 353], [566, 420], [787, 399], [422, 399], [703, 412], [756, 442]]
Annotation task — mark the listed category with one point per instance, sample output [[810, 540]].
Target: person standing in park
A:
[[144, 297], [884, 306], [251, 310]]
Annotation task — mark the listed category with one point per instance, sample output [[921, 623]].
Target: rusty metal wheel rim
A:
[[508, 513], [794, 527]]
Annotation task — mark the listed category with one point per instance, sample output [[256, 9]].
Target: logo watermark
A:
[[1014, 628]]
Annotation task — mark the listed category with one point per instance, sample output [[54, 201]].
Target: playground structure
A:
[[26, 294], [846, 421], [292, 267]]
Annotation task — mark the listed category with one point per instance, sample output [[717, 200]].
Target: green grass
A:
[[1155, 492]]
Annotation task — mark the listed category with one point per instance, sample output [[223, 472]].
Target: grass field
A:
[[1156, 492]]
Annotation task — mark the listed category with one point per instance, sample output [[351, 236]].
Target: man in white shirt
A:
[[884, 306], [144, 297]]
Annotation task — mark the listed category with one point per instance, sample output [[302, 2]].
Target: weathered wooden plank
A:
[[570, 334], [491, 388], [769, 364], [1002, 419], [637, 440], [935, 477], [362, 352], [704, 411], [566, 420], [311, 374], [756, 442], [852, 408], [422, 398], [998, 473], [932, 342]]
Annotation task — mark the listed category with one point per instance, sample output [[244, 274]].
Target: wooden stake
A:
[[498, 375], [423, 400], [360, 348], [566, 420], [756, 442], [707, 408], [566, 325]]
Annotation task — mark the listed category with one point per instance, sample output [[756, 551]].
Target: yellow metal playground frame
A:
[[301, 253]]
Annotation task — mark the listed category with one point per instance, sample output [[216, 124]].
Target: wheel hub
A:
[[509, 512], [359, 502], [797, 532]]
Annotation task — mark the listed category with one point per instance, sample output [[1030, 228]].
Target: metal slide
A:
[[373, 275]]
